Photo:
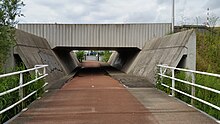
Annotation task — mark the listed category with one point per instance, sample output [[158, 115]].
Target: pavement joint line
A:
[[91, 89], [88, 112], [96, 112], [141, 88]]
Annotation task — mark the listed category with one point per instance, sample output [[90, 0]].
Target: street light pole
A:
[[173, 18]]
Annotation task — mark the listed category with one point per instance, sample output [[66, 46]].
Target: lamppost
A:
[[173, 18]]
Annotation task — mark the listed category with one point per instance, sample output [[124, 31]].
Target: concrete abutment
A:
[[177, 49]]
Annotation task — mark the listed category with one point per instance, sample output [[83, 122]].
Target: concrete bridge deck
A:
[[93, 97]]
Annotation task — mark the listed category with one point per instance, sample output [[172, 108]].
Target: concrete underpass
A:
[[139, 47], [121, 91]]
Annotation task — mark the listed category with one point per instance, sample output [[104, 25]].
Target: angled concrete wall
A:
[[122, 59], [174, 50], [69, 61], [34, 50]]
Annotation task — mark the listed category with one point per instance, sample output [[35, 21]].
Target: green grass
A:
[[214, 98], [208, 51]]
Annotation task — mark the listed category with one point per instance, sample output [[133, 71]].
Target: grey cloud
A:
[[144, 16], [212, 4], [166, 2], [92, 11]]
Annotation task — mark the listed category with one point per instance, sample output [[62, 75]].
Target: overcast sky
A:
[[118, 11]]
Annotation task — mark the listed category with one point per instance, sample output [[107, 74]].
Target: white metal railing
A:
[[162, 73], [40, 73]]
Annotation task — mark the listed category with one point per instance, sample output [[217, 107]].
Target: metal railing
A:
[[162, 73], [40, 73]]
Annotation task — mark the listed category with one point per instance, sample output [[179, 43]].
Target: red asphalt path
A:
[[90, 98]]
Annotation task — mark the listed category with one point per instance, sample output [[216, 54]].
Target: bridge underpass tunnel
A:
[[120, 58]]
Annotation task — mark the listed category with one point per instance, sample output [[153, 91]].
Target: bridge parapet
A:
[[97, 35]]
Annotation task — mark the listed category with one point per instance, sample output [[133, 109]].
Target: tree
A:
[[80, 55], [9, 10], [213, 21], [106, 56]]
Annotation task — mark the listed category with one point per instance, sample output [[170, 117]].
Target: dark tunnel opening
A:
[[121, 58]]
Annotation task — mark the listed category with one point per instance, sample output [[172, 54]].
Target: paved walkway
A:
[[92, 97]]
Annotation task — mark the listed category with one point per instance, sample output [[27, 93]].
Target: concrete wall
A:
[[97, 35], [35, 50], [170, 50], [69, 61], [122, 59]]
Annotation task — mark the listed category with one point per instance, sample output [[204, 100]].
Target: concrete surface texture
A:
[[168, 110], [68, 60], [178, 50], [97, 35], [34, 50]]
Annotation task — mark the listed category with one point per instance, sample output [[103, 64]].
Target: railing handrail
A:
[[188, 70], [21, 84], [192, 84], [23, 71]]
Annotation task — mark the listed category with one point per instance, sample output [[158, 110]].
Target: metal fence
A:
[[40, 73], [162, 73]]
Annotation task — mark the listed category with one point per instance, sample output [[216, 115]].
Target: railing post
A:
[[161, 72], [35, 71], [44, 71], [21, 93], [173, 82], [193, 88]]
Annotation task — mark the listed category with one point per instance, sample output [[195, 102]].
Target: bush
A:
[[106, 56], [80, 55]]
